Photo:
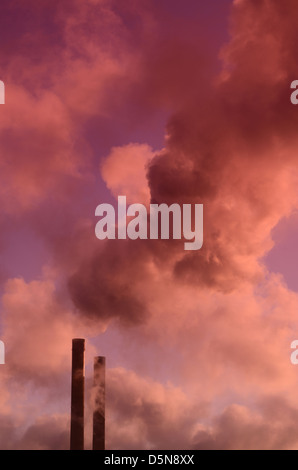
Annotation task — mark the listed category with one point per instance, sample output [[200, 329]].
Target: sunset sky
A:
[[172, 102]]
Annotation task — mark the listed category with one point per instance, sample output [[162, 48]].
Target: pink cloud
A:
[[125, 172], [231, 145]]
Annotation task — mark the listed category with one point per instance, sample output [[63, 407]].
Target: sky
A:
[[164, 101]]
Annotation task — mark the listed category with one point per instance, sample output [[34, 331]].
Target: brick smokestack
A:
[[99, 404], [77, 394]]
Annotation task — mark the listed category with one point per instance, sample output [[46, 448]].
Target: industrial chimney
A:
[[77, 394], [99, 404]]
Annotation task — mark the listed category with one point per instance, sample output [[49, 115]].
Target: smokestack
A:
[[77, 395], [99, 404]]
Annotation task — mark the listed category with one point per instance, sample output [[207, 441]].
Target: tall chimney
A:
[[99, 404], [77, 394]]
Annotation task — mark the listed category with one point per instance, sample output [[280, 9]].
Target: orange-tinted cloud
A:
[[220, 324]]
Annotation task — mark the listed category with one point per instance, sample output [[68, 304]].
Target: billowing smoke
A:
[[198, 342]]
